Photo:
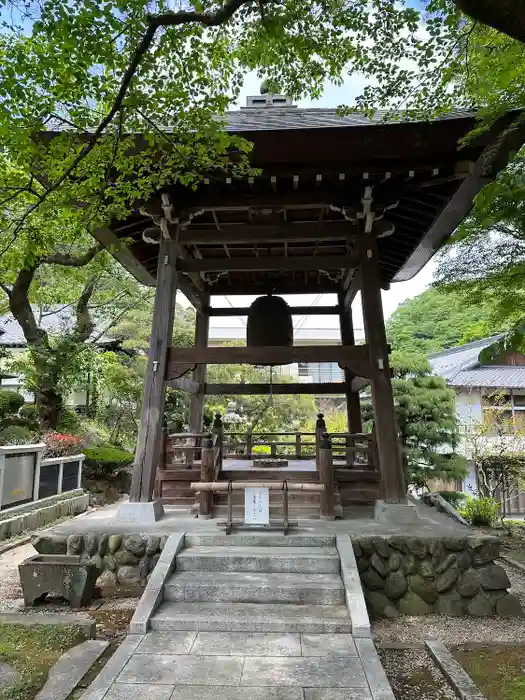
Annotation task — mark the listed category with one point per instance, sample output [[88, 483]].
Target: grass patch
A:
[[498, 671], [33, 651]]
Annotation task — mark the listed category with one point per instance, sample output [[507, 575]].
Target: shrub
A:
[[16, 435], [61, 444], [455, 498], [68, 421], [10, 402], [481, 512], [105, 461], [262, 450]]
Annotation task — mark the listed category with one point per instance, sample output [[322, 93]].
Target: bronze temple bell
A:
[[269, 323]]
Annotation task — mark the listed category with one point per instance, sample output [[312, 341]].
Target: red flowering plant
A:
[[61, 444]]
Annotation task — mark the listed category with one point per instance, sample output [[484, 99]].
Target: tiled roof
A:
[[460, 366], [491, 376], [281, 118], [448, 363]]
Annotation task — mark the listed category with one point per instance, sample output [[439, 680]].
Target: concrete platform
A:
[[242, 666], [356, 521]]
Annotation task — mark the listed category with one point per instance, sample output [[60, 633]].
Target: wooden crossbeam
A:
[[267, 263], [354, 358], [254, 233], [295, 310], [184, 383], [321, 388]]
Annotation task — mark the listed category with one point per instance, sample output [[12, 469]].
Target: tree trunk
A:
[[49, 404], [507, 16]]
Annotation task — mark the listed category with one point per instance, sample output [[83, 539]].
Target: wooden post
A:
[[202, 324], [249, 442], [326, 477], [149, 442], [353, 404], [320, 429], [207, 476], [298, 445], [389, 453], [218, 430]]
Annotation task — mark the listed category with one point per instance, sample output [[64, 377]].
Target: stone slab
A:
[[337, 694], [182, 670], [355, 599], [137, 512], [328, 645], [153, 593], [201, 692], [167, 643], [246, 644], [312, 560], [87, 624], [8, 675], [108, 675], [392, 514], [330, 672], [255, 587], [251, 617], [375, 673], [260, 539], [461, 682], [132, 691], [69, 670]]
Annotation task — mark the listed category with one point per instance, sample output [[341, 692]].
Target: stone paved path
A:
[[242, 666]]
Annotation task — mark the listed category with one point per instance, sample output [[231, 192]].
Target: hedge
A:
[[105, 461]]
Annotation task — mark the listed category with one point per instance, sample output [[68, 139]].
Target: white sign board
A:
[[257, 506]]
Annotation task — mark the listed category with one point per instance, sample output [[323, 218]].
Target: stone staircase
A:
[[255, 583]]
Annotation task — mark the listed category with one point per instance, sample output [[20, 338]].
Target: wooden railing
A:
[[249, 445], [354, 450]]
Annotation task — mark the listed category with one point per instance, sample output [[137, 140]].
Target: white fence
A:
[[26, 477]]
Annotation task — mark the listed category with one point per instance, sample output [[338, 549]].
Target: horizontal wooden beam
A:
[[184, 383], [295, 310], [197, 234], [355, 358], [267, 263], [321, 388]]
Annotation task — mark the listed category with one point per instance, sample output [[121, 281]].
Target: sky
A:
[[333, 96]]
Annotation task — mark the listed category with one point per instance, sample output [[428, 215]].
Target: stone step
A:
[[295, 511], [308, 560], [252, 617], [247, 587], [260, 539]]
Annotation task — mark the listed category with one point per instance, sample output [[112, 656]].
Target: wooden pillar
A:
[[202, 325], [389, 453], [326, 477], [353, 404], [149, 442], [320, 430], [207, 476]]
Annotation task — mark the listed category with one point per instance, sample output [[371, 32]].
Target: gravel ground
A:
[[414, 676], [10, 591], [457, 630]]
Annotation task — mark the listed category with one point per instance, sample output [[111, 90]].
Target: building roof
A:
[[289, 117], [58, 320], [292, 228], [460, 366]]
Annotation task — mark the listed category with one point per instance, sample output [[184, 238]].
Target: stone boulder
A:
[[412, 604], [396, 585], [509, 606], [49, 544], [493, 577], [423, 588]]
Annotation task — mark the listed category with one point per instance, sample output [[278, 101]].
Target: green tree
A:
[[65, 273], [485, 258], [440, 318], [427, 422]]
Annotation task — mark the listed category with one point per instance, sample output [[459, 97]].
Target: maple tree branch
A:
[[71, 260]]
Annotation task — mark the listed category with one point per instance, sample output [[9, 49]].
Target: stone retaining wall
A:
[[41, 514], [450, 575], [121, 560]]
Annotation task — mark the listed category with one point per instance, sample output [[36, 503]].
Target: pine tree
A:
[[427, 422]]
